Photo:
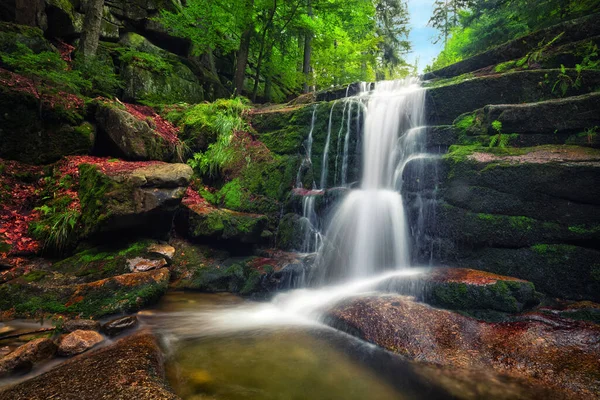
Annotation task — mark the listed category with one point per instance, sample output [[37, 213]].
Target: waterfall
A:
[[324, 166], [368, 232]]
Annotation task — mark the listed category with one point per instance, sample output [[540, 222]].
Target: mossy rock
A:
[[173, 82], [29, 138], [466, 289], [559, 270], [122, 293], [143, 201], [12, 34], [202, 223]]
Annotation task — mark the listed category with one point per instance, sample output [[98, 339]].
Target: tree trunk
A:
[[91, 28], [261, 53], [307, 53], [242, 56]]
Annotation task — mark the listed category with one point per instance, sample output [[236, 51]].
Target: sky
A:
[[421, 35]]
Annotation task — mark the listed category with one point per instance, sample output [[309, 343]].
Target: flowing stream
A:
[[365, 242]]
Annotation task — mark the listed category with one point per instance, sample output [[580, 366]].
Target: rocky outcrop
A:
[[499, 210], [143, 199], [539, 348], [138, 374], [570, 31], [129, 137], [509, 88], [78, 342], [23, 358], [572, 120], [175, 83]]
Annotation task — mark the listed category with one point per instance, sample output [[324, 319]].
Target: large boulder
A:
[[167, 80], [26, 355], [132, 368], [465, 289], [537, 348], [125, 135], [143, 199], [39, 138]]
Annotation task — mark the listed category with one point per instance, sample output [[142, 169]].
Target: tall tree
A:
[[92, 23], [244, 50]]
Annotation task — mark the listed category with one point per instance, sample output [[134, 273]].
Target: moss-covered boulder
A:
[[210, 269], [122, 134], [560, 270], [465, 289], [152, 74], [571, 119], [518, 348], [143, 199], [39, 138], [204, 223], [509, 88], [11, 35], [92, 283]]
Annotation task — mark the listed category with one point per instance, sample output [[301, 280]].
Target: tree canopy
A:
[[281, 46]]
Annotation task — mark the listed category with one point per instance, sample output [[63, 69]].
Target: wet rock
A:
[[119, 325], [140, 264], [132, 368], [134, 139], [558, 353], [162, 250], [465, 289], [26, 355], [143, 201], [78, 342], [73, 325]]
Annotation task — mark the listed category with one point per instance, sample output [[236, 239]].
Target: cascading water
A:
[[368, 233]]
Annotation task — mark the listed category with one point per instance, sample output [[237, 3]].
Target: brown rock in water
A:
[[119, 325], [26, 355], [558, 353], [79, 341], [130, 369], [81, 324], [140, 264]]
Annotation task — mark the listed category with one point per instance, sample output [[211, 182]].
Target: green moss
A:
[[585, 230], [505, 66], [34, 276], [449, 81]]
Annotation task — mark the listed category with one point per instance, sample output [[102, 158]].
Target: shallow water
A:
[[277, 362]]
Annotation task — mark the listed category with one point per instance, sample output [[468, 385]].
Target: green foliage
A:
[[500, 139], [482, 25], [46, 67], [147, 61], [221, 119], [564, 82], [56, 228], [101, 75]]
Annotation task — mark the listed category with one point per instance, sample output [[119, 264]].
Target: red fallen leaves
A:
[[164, 128], [66, 50], [108, 166], [20, 83], [16, 208], [19, 200]]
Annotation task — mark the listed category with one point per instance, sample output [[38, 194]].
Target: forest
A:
[[277, 199]]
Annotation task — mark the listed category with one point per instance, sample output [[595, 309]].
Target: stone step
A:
[[566, 116], [518, 87], [572, 31]]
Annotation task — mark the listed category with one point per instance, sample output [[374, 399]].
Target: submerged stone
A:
[[119, 325]]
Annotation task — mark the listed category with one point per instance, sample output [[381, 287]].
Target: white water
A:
[[369, 233]]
